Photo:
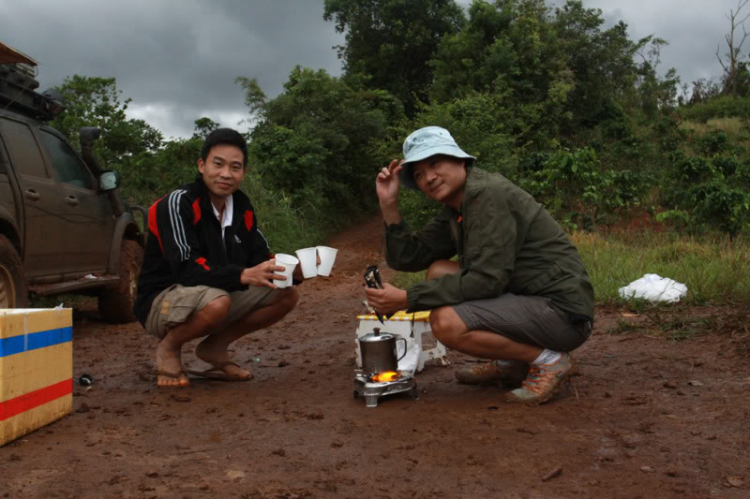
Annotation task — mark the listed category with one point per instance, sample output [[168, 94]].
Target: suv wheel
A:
[[13, 292], [116, 304]]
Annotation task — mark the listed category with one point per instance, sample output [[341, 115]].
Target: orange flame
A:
[[386, 376]]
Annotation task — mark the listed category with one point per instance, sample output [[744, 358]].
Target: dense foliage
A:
[[320, 140], [577, 113], [389, 42]]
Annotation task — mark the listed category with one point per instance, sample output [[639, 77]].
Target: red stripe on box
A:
[[28, 401]]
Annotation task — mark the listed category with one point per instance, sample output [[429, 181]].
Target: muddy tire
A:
[[116, 304], [13, 291]]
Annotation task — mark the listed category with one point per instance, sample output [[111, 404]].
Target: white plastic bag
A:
[[654, 288], [410, 360]]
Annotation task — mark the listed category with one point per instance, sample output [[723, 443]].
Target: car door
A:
[[44, 231], [10, 202], [88, 213]]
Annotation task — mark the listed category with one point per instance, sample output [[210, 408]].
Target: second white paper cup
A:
[[288, 262], [308, 262], [327, 258]]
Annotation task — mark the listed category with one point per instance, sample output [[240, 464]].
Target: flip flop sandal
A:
[[217, 373], [172, 375]]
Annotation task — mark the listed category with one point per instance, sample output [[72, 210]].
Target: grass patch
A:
[[731, 126], [679, 327], [683, 322], [625, 327], [715, 270]]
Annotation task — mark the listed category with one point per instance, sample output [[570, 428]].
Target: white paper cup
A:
[[327, 257], [308, 261], [288, 262]]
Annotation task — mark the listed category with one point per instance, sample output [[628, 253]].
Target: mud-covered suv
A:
[[63, 226]]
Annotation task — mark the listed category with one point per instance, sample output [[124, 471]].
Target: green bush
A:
[[416, 208], [575, 186], [713, 142], [695, 169], [708, 194], [723, 106], [287, 228], [482, 125], [320, 141], [720, 205], [727, 165]]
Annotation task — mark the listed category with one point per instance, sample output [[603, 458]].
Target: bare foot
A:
[[169, 367], [217, 355]]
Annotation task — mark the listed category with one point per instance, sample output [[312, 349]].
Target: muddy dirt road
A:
[[649, 417]]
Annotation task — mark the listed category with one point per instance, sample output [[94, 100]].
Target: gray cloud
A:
[[693, 29], [178, 60]]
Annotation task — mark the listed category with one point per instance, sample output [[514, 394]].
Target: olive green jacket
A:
[[506, 242]]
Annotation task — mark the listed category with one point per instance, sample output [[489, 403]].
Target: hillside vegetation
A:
[[581, 116]]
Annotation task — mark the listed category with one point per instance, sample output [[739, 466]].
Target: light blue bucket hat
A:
[[422, 144]]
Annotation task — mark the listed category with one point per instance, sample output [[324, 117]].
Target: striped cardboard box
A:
[[36, 369]]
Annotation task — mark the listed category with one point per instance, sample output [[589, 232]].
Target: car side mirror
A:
[[109, 181]]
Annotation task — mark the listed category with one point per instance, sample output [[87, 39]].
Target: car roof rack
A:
[[9, 55], [18, 86]]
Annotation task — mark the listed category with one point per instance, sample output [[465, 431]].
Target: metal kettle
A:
[[379, 351]]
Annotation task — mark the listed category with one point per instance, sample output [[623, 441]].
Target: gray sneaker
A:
[[543, 381], [508, 372]]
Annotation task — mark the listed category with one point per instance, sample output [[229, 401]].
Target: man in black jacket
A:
[[208, 270]]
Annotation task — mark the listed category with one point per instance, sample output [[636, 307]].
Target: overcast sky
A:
[[177, 59]]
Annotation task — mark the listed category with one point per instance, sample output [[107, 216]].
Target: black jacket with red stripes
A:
[[185, 246]]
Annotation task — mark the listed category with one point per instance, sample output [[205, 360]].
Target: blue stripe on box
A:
[[34, 341]]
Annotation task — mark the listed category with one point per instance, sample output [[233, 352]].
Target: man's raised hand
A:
[[387, 183]]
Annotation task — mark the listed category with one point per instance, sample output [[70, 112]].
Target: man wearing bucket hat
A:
[[207, 270], [518, 295]]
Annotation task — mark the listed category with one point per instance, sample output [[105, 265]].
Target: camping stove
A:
[[374, 386]]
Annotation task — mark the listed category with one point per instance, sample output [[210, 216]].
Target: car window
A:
[[23, 148], [69, 168]]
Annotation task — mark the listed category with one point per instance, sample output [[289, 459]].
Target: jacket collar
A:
[[475, 182], [240, 201]]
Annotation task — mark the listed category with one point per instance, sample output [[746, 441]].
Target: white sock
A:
[[547, 357]]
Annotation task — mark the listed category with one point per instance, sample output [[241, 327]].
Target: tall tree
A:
[[601, 61], [388, 42], [95, 101], [320, 141], [733, 67], [559, 71], [479, 58], [126, 145], [204, 126], [656, 93], [508, 49]]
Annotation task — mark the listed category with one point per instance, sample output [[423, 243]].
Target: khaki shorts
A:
[[174, 305], [533, 320]]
